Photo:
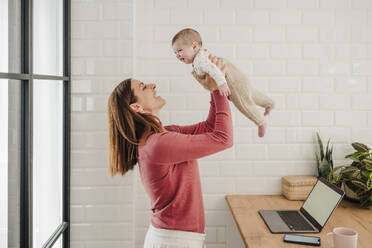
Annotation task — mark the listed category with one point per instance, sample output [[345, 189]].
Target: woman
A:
[[167, 157]]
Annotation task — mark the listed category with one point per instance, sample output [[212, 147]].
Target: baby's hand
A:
[[224, 90]]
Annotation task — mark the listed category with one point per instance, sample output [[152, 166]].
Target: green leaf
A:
[[335, 177], [320, 146], [327, 150], [360, 154], [359, 184], [367, 161], [360, 147], [317, 163], [355, 158], [365, 173], [349, 169], [331, 157], [369, 183], [349, 155]]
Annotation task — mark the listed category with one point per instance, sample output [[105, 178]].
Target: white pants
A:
[[164, 238]]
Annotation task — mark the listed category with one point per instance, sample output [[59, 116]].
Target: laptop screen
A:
[[321, 202]]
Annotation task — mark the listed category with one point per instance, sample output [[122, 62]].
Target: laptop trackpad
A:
[[274, 222]]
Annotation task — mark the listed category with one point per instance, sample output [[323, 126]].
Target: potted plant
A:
[[356, 178], [324, 158]]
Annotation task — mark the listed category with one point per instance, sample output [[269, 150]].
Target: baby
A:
[[187, 45]]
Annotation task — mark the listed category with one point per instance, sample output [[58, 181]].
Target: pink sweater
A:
[[169, 169]]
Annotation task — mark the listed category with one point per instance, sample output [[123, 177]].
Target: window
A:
[[35, 123]]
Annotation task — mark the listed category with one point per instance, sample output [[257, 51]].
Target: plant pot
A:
[[349, 194]]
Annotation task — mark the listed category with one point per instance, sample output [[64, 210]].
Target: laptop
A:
[[312, 216]]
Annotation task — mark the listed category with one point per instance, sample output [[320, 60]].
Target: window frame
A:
[[27, 77]]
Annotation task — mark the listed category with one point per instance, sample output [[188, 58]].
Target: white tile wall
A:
[[314, 57]]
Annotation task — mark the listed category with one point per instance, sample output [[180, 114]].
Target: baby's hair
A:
[[188, 35]]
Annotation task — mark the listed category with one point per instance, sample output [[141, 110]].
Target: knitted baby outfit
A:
[[243, 95]]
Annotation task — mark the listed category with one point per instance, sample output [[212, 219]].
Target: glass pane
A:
[[10, 36], [58, 243], [10, 130], [4, 163], [47, 159], [48, 37]]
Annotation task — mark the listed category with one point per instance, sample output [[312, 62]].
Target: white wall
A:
[[314, 57]]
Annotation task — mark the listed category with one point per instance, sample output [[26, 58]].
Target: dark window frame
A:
[[27, 77]]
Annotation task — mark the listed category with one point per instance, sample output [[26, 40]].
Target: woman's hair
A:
[[127, 128]]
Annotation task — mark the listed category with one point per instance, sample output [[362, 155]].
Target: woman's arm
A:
[[173, 147], [208, 125], [199, 128]]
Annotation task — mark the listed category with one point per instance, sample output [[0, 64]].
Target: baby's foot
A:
[[262, 129], [267, 111]]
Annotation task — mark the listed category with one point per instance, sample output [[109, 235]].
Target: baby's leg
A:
[[262, 100], [246, 105], [242, 97]]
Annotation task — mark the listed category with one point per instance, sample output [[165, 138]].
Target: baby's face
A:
[[184, 52]]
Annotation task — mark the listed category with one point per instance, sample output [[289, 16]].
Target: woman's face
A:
[[147, 101]]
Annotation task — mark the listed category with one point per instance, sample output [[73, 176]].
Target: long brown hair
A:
[[127, 128]]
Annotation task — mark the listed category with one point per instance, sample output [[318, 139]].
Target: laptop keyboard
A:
[[294, 221]]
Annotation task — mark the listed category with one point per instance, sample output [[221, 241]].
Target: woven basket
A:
[[297, 187]]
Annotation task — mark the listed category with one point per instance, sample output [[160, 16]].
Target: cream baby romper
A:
[[243, 95]]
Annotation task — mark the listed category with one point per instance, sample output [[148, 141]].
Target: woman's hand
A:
[[208, 82]]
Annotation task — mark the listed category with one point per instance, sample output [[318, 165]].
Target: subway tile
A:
[[271, 68], [286, 51], [285, 118], [100, 29], [285, 85], [302, 4], [317, 118], [117, 11], [324, 17], [285, 17], [253, 52], [302, 34], [250, 151], [189, 17], [152, 17], [265, 34], [170, 4], [269, 4], [318, 51], [196, 4], [361, 102], [306, 68], [334, 102], [351, 118], [238, 34], [86, 48], [255, 185], [236, 169], [252, 17], [224, 17], [302, 101], [317, 84], [335, 4], [118, 48], [349, 85], [350, 18], [85, 11]]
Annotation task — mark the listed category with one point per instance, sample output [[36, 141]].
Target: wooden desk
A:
[[255, 233]]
